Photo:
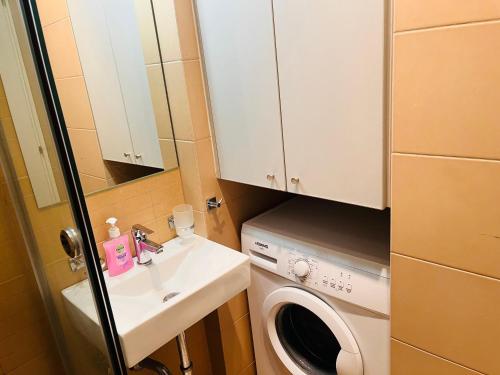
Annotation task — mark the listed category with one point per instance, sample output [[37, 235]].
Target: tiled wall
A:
[[26, 344], [72, 92], [446, 187]]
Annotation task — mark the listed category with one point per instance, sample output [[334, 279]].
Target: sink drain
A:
[[169, 296]]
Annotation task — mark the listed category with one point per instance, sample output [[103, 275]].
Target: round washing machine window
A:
[[307, 339], [308, 335]]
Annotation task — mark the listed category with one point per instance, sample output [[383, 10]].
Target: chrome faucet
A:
[[143, 245]]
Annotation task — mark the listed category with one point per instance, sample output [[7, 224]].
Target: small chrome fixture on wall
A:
[[71, 241], [213, 203]]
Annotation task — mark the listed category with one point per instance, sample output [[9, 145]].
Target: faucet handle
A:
[[142, 228]]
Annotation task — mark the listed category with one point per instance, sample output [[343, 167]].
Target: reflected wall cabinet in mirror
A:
[[108, 40], [106, 61], [297, 95]]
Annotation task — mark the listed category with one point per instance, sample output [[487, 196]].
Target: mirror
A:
[[107, 66]]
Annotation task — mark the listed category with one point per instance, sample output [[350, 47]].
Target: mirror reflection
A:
[[106, 62]]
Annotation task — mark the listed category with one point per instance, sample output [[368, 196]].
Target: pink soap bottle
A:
[[118, 255]]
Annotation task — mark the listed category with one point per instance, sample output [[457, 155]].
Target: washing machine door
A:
[[308, 336]]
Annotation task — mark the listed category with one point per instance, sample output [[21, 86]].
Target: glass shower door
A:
[[40, 195]]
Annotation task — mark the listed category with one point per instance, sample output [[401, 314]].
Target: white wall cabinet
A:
[[331, 74], [328, 108], [111, 55], [240, 65]]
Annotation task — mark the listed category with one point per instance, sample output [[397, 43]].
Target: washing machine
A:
[[319, 297]]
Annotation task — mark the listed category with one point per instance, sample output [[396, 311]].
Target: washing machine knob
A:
[[301, 268]]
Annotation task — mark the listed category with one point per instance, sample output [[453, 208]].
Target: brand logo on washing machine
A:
[[260, 244]]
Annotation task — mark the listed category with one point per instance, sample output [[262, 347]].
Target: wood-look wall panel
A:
[[450, 313], [446, 90], [412, 14], [446, 210]]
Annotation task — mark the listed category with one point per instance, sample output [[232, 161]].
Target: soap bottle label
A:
[[121, 255]]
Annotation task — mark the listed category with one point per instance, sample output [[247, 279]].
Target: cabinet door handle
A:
[[138, 156], [126, 154], [270, 177], [294, 180]]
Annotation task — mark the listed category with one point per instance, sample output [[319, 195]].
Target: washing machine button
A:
[[301, 268]]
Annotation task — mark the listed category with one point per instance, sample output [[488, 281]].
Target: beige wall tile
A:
[[75, 103], [27, 344], [188, 161], [12, 266], [187, 100], [450, 313], [51, 11], [145, 19], [200, 223], [235, 308], [447, 90], [209, 182], [176, 29], [61, 47], [407, 360], [46, 364], [237, 345], [223, 228], [160, 103], [169, 154], [87, 152], [91, 184], [18, 295], [411, 14], [148, 202], [445, 210]]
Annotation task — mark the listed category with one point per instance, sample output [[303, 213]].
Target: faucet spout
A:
[[151, 246], [143, 245]]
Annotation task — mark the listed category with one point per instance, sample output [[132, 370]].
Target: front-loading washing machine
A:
[[319, 298]]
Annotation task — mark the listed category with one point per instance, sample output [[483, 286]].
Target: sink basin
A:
[[153, 304]]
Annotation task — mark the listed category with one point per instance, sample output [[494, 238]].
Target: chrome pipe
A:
[[186, 364]]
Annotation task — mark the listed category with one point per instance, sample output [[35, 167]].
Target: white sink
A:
[[197, 275]]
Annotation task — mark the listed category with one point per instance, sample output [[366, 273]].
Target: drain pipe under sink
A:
[[153, 365], [186, 365]]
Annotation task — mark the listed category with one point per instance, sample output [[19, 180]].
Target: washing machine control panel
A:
[[336, 279], [340, 281], [320, 272]]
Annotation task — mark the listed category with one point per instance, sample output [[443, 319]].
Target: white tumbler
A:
[[184, 220]]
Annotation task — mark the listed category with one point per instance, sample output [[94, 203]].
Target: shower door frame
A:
[[73, 186]]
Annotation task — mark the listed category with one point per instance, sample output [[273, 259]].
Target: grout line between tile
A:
[[434, 355], [447, 26], [451, 268], [465, 158]]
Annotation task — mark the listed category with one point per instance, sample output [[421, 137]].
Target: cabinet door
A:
[[101, 77], [127, 49], [240, 67], [331, 73]]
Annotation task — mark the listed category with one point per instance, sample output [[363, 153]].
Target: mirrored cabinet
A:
[[107, 36], [297, 95]]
